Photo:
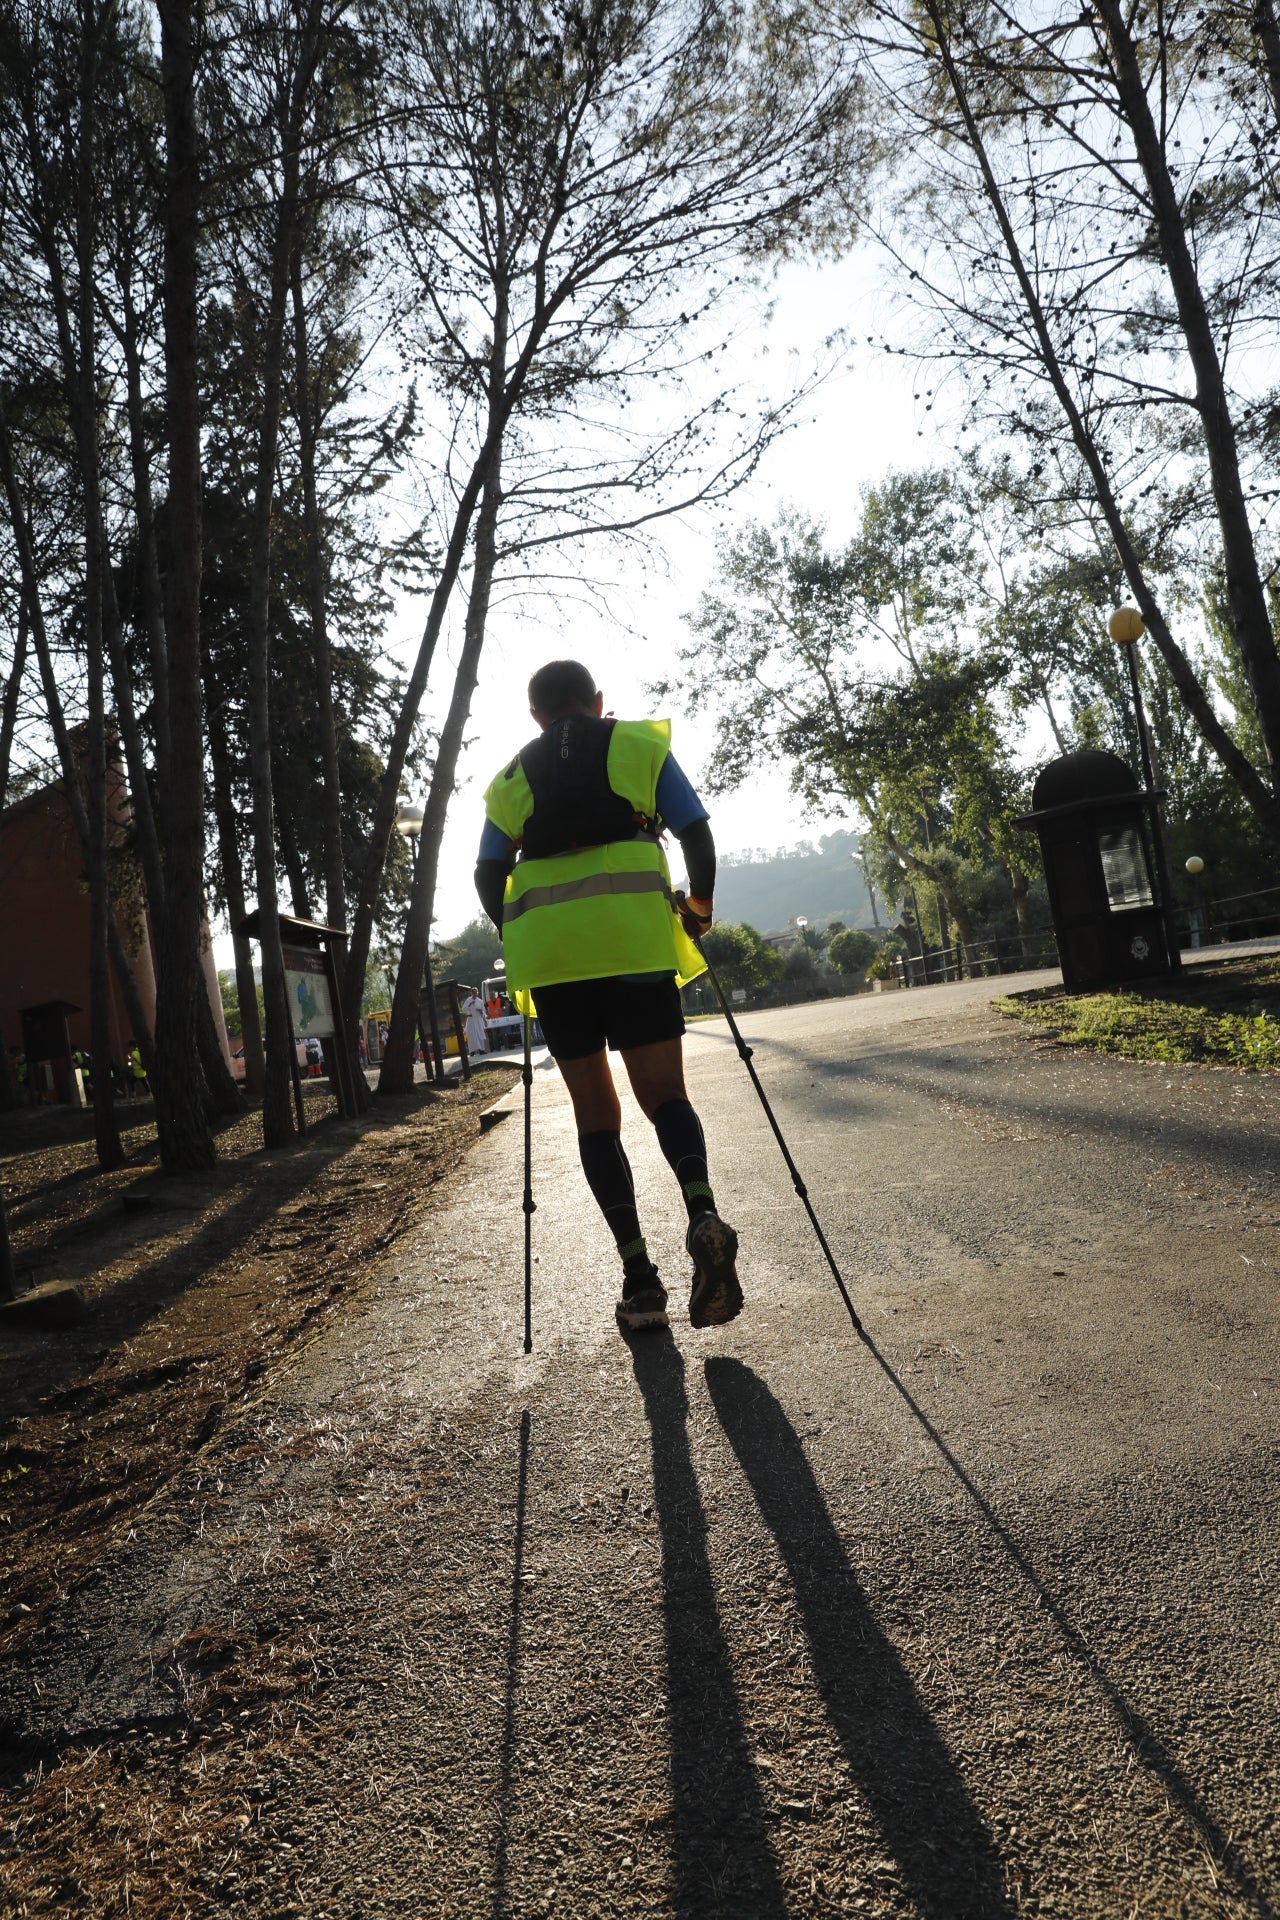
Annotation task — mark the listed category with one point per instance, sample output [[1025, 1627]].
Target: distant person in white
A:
[[473, 1015]]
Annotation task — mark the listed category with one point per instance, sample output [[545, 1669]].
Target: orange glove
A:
[[695, 915]]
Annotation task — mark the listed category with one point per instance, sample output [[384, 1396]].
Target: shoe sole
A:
[[635, 1320], [717, 1296]]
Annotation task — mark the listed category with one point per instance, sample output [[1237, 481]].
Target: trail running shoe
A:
[[712, 1245], [644, 1300]]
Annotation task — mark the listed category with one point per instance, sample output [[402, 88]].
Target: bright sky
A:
[[864, 421]]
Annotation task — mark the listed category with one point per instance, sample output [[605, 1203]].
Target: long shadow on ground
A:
[[1229, 1861], [723, 1861], [839, 1088], [507, 1751], [922, 1807], [117, 1313]]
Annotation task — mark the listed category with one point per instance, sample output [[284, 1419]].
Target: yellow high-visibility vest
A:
[[597, 910]]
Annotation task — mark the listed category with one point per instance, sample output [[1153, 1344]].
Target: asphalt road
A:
[[977, 1616]]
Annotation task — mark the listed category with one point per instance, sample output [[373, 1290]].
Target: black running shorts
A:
[[579, 1017]]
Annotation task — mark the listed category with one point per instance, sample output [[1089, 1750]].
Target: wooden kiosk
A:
[[313, 979]]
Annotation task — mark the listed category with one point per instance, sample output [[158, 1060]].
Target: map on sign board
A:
[[308, 987]]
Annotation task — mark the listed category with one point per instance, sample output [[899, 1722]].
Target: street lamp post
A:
[[409, 818], [1126, 627], [1195, 867]]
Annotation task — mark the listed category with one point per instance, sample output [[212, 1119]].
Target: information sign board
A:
[[309, 998]]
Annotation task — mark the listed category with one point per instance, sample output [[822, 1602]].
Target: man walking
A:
[[572, 873]]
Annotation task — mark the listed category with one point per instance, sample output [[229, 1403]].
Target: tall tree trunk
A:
[[1245, 596], [144, 817], [185, 1141], [80, 388], [1263, 800], [1267, 27], [291, 861], [8, 1272], [1021, 904], [61, 737], [307, 409], [277, 1095], [224, 1094], [12, 691], [9, 1097], [106, 1131], [960, 914], [233, 894], [1063, 744], [397, 1064], [277, 1091], [151, 592], [503, 398]]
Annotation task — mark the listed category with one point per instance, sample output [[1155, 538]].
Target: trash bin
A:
[[1095, 827]]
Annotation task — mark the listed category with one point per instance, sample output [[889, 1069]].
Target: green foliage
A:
[[469, 955], [847, 668], [1213, 1021], [851, 950], [366, 691], [231, 1004], [379, 974], [741, 958]]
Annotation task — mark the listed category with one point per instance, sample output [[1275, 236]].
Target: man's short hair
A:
[[559, 685]]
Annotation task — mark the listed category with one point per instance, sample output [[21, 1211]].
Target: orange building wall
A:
[[44, 925]]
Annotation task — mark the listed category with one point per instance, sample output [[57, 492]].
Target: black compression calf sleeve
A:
[[680, 1136], [608, 1174]]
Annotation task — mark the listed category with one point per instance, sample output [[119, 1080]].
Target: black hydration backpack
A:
[[567, 768]]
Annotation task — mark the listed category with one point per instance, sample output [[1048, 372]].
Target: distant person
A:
[[473, 1016], [572, 872]]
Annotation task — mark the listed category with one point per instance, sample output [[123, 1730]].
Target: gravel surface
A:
[[976, 1617]]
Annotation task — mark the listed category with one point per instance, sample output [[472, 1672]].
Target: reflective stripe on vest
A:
[[589, 887], [591, 914]]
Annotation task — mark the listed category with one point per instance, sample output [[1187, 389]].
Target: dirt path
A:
[[195, 1288], [978, 1619]]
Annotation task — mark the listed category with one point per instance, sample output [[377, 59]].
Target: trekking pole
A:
[[529, 1207], [744, 1054]]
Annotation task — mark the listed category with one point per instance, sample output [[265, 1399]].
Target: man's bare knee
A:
[[656, 1074], [594, 1096]]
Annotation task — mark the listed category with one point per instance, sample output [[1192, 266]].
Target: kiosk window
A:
[[1124, 869]]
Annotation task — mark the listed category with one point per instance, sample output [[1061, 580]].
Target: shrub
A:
[[852, 951]]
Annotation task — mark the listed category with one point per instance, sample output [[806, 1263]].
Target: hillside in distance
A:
[[818, 880]]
